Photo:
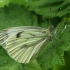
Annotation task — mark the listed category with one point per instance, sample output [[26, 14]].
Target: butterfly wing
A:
[[23, 42]]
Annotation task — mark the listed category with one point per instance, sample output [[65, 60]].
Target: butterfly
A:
[[23, 42]]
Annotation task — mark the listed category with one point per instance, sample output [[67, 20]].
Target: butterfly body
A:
[[21, 43]]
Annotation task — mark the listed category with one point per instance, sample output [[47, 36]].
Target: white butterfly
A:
[[23, 42]]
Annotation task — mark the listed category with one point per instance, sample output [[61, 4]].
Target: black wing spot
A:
[[18, 34]]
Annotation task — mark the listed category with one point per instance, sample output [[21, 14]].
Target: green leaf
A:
[[32, 66], [54, 52], [16, 15], [20, 2], [6, 63], [48, 8], [4, 2]]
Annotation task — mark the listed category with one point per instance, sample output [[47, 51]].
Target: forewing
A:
[[22, 43], [9, 32]]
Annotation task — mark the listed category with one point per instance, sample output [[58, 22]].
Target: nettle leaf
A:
[[48, 8], [4, 2], [32, 66], [20, 2], [16, 15], [6, 63], [54, 52]]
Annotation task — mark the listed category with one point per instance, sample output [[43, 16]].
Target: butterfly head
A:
[[51, 28], [49, 32]]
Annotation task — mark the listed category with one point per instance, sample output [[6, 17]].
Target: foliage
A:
[[40, 13]]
